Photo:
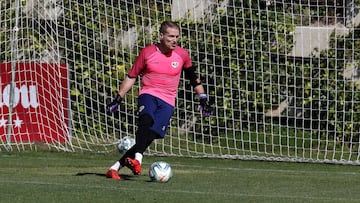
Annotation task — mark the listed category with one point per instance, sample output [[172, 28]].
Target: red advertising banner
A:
[[41, 102]]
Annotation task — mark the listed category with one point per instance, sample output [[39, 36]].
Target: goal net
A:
[[282, 75]]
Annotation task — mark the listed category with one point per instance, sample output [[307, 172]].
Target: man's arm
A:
[[194, 79], [126, 86], [199, 89], [204, 107], [123, 89]]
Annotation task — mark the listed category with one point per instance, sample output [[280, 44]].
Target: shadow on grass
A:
[[123, 176]]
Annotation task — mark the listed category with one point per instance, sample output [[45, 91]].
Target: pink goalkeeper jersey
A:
[[160, 73]]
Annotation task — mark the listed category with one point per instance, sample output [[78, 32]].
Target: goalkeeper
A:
[[160, 66]]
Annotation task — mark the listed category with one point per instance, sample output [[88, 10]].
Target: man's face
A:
[[170, 38]]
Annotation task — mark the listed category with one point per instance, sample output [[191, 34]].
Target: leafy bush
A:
[[241, 52]]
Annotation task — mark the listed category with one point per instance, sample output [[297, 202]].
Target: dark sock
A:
[[143, 139], [129, 153]]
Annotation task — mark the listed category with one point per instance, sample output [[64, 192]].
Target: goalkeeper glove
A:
[[114, 105], [205, 107]]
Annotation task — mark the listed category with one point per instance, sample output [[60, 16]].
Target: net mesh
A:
[[282, 76]]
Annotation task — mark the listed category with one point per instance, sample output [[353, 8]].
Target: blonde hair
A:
[[164, 25]]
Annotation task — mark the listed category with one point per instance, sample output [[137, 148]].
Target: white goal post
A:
[[283, 76]]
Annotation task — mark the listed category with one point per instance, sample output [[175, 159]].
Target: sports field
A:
[[79, 177]]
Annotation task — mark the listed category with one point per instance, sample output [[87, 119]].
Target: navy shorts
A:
[[159, 110]]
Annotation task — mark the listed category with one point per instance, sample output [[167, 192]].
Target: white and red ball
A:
[[125, 144], [160, 171]]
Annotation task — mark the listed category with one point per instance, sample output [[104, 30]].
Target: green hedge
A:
[[242, 55]]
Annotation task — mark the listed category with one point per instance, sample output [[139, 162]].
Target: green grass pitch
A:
[[79, 177]]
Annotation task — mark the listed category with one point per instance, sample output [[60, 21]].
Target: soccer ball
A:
[[160, 171], [125, 144]]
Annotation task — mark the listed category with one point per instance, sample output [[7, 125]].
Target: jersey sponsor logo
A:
[[26, 96], [34, 105], [175, 64]]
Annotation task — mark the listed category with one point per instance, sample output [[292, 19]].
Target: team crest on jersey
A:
[[141, 108], [175, 64]]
